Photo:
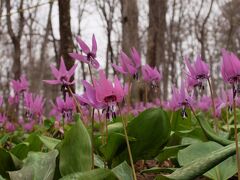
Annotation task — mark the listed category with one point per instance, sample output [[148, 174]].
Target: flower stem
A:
[[106, 128], [128, 145], [227, 119], [92, 138], [129, 95], [75, 100], [91, 75], [90, 72], [236, 136], [213, 106], [171, 119], [101, 126], [146, 95]]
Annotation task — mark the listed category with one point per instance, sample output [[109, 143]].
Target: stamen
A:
[[234, 91], [184, 113], [135, 76], [230, 109], [238, 88]]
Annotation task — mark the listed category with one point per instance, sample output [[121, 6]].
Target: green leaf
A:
[[179, 123], [170, 151], [203, 164], [48, 123], [224, 170], [115, 127], [21, 150], [97, 174], [109, 150], [151, 130], [49, 142], [3, 139], [34, 142], [1, 178], [6, 163], [37, 166], [75, 150], [209, 132], [196, 133], [116, 139], [98, 161], [123, 171]]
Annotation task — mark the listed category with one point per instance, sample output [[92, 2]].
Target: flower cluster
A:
[[108, 95]]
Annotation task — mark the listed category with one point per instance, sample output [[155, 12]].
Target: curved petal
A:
[[94, 44], [118, 89], [83, 45], [72, 70], [131, 69], [136, 57], [119, 69], [79, 57], [55, 72], [145, 73], [62, 68], [95, 63], [190, 68]]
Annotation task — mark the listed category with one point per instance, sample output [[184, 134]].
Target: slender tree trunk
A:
[[156, 39], [66, 42], [16, 38], [130, 36]]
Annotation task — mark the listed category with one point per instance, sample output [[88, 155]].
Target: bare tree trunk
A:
[[201, 36], [32, 69], [16, 38], [130, 36], [66, 42], [103, 7], [156, 39], [1, 10], [45, 41]]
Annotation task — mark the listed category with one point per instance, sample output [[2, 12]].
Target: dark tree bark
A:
[[130, 36], [16, 38], [66, 42], [156, 39]]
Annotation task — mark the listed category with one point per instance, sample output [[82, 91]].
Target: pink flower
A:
[[10, 127], [108, 94], [90, 55], [204, 103], [180, 99], [230, 70], [129, 65], [62, 75], [28, 127], [3, 119], [20, 85], [13, 100], [225, 100], [230, 67], [151, 75], [33, 105], [89, 97], [63, 108], [197, 72]]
